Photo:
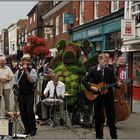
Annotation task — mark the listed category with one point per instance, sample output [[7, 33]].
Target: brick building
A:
[[35, 23], [5, 41], [84, 12], [22, 32]]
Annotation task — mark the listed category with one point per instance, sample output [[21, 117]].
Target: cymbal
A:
[[67, 94]]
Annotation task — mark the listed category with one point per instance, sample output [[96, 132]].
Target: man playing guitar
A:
[[102, 74]]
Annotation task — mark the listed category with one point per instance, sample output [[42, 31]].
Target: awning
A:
[[131, 45], [130, 48]]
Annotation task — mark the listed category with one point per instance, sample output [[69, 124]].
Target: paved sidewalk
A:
[[128, 129]]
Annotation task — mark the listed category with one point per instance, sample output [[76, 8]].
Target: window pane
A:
[[118, 40], [110, 41], [81, 12], [136, 69], [113, 40]]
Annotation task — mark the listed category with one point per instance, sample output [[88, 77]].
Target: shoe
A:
[[99, 138], [27, 132], [33, 133], [61, 122]]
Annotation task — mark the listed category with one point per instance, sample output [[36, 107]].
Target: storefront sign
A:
[[79, 36], [130, 48], [94, 32], [127, 29], [87, 33]]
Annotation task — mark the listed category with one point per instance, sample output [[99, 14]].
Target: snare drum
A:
[[67, 95], [52, 101]]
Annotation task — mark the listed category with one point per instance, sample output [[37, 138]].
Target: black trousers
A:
[[105, 103], [26, 104]]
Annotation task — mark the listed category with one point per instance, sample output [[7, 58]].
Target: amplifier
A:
[[6, 127], [86, 119]]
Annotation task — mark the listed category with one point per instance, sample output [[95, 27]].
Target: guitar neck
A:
[[111, 85]]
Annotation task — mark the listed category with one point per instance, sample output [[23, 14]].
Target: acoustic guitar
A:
[[102, 89]]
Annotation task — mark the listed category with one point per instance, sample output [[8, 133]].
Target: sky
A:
[[12, 11]]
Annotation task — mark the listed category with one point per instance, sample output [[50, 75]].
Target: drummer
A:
[[55, 90]]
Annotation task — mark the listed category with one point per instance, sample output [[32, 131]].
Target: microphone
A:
[[20, 67]]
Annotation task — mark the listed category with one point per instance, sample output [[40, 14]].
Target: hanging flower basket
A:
[[41, 51], [36, 47]]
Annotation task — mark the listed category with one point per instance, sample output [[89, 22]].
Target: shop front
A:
[[104, 33], [132, 48]]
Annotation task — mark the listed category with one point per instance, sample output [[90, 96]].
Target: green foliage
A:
[[60, 68], [74, 77], [75, 46], [79, 70], [86, 46], [69, 57], [61, 45], [91, 62], [55, 62], [71, 69]]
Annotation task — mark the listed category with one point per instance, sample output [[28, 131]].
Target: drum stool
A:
[[53, 114]]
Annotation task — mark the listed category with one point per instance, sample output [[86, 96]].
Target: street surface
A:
[[128, 129]]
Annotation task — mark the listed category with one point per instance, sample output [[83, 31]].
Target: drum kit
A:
[[52, 103]]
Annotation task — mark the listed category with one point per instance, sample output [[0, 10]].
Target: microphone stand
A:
[[103, 92], [15, 115]]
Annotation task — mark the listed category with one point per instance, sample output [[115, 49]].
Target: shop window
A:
[[114, 6], [136, 69], [82, 12], [57, 26], [113, 40], [96, 4], [98, 46]]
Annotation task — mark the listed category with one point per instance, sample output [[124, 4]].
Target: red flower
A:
[[36, 47], [26, 49], [41, 51], [36, 41]]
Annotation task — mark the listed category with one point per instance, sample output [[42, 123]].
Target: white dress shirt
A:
[[60, 89]]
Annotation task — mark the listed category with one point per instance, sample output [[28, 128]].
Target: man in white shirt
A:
[[6, 75], [55, 89]]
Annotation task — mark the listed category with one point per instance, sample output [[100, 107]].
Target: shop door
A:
[[136, 75]]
